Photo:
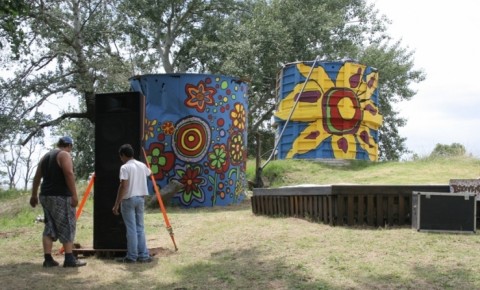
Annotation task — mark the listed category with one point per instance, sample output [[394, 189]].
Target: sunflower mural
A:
[[195, 133], [336, 115]]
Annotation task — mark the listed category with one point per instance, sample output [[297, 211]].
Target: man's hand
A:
[[115, 209], [33, 201], [74, 201]]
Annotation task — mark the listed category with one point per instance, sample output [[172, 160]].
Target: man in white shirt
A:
[[131, 200]]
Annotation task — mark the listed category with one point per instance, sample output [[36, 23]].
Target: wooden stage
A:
[[371, 205]]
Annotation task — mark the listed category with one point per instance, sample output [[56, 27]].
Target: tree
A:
[[158, 30], [452, 150], [396, 74], [83, 133], [30, 150], [254, 42], [81, 47], [10, 13], [11, 161], [71, 51]]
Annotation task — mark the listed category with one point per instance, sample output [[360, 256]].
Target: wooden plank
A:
[[401, 210], [408, 206], [302, 206], [305, 212], [390, 210], [291, 190], [296, 211], [310, 209], [276, 208], [269, 206], [264, 205], [320, 209], [340, 210], [330, 210], [380, 210], [386, 189], [279, 206], [316, 208], [361, 210], [259, 205], [252, 203], [292, 206], [371, 210], [350, 210], [356, 189]]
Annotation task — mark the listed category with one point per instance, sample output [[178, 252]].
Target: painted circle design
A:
[[191, 139], [334, 121]]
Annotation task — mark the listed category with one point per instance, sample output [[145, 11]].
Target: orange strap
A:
[[85, 196], [160, 202]]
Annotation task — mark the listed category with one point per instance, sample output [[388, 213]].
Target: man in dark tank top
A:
[[58, 197]]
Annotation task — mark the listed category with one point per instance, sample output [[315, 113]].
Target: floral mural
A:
[[336, 111], [195, 133]]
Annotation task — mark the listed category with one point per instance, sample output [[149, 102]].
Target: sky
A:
[[443, 36]]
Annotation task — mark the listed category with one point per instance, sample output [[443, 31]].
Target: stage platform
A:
[[338, 205]]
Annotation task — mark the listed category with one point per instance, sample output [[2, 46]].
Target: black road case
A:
[[444, 212]]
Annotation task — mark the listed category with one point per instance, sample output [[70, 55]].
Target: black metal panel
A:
[[118, 120]]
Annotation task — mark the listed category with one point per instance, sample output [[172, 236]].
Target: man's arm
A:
[[36, 183], [65, 162], [122, 190]]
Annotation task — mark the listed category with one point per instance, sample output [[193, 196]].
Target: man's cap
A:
[[66, 140]]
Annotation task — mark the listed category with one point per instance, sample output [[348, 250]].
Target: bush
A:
[[455, 149]]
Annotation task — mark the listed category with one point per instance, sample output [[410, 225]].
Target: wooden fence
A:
[[372, 205]]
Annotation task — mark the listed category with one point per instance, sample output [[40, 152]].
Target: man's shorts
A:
[[60, 220]]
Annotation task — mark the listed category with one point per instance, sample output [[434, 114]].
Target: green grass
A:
[[230, 248], [423, 171]]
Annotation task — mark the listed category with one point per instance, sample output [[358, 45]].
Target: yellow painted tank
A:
[[336, 115]]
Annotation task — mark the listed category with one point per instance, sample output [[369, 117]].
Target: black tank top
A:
[[53, 182]]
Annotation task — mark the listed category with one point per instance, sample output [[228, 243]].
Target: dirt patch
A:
[[9, 234]]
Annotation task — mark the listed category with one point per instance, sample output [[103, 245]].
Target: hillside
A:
[[423, 171]]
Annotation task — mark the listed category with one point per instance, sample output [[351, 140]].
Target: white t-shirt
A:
[[136, 173]]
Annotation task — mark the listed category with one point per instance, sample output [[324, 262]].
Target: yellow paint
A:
[[346, 108], [343, 145]]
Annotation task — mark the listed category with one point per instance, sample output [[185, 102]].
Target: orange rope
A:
[[160, 202]]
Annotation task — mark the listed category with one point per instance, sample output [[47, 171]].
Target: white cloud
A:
[[443, 35]]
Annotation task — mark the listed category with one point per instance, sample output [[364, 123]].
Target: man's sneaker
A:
[[125, 260], [146, 260], [50, 263], [74, 264]]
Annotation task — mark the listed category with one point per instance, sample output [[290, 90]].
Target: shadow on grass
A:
[[424, 277], [235, 269], [34, 276], [244, 269], [228, 269], [454, 278]]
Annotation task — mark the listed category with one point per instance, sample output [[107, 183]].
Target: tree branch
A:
[[52, 123], [263, 118]]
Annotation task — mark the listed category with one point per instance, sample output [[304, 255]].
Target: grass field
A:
[[230, 248]]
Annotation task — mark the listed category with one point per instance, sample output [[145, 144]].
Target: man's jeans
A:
[[132, 213]]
